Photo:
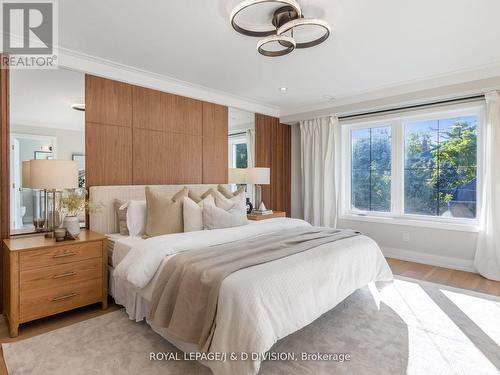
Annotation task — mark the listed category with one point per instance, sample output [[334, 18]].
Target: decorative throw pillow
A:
[[136, 217], [121, 216], [228, 194], [193, 213], [225, 203], [164, 214], [195, 197], [131, 217], [217, 218]]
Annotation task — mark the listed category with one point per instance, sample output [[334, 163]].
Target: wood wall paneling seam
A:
[[167, 136], [4, 168]]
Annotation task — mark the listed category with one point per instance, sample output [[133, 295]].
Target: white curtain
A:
[[487, 260], [320, 147], [250, 133]]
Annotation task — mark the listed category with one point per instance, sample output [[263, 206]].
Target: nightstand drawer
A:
[[59, 255], [40, 303], [51, 277]]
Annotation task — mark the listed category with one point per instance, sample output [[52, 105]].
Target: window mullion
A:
[[397, 186]]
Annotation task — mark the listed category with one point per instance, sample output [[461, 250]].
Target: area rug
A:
[[410, 327]]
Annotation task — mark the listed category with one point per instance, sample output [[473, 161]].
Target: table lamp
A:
[[51, 175], [259, 177], [237, 176]]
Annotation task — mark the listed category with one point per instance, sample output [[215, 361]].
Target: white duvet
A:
[[262, 304]]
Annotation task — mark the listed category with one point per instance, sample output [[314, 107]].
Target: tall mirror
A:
[[241, 144], [47, 122]]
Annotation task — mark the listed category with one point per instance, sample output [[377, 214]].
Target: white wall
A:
[[68, 141], [445, 248]]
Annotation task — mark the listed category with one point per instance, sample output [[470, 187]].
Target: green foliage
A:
[[371, 171], [434, 167], [241, 155]]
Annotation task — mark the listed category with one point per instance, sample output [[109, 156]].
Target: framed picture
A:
[[43, 155], [80, 160]]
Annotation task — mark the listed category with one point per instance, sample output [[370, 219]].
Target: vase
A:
[[72, 225], [249, 206]]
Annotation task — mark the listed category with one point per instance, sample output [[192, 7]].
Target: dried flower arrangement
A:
[[74, 202]]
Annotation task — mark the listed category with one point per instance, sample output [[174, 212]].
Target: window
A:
[[371, 169], [238, 151], [423, 165], [238, 158], [441, 167]]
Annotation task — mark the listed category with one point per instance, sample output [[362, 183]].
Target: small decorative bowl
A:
[[60, 234]]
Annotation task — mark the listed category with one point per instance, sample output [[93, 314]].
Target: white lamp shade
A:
[[53, 174], [259, 176], [26, 183], [237, 175]]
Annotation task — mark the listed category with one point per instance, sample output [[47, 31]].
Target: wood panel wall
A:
[[4, 168], [136, 135], [215, 139], [108, 132], [273, 150]]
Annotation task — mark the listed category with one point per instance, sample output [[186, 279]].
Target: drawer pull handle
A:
[[71, 295], [69, 254], [67, 274]]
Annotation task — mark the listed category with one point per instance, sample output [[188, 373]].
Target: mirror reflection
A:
[[241, 146], [46, 123]]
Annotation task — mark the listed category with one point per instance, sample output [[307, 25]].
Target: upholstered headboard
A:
[[105, 221]]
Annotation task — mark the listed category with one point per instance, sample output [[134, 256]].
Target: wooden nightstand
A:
[[264, 217], [44, 277]]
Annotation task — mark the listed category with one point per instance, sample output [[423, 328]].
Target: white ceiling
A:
[[375, 45], [44, 98], [239, 118]]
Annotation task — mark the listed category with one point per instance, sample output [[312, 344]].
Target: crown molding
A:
[[79, 61], [460, 83]]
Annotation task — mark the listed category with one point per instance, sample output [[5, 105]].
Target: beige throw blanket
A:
[[186, 293]]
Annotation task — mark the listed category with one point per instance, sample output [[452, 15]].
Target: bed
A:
[[257, 306]]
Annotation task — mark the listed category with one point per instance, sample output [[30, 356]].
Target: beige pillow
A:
[[195, 197], [228, 194], [217, 218], [121, 215], [225, 203], [164, 214], [193, 213]]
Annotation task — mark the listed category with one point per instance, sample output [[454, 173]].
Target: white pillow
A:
[[217, 218], [136, 217], [193, 213]]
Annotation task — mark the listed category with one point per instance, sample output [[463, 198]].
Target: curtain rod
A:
[[240, 133], [414, 106]]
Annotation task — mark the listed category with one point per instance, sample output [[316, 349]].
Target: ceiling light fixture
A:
[[286, 43], [287, 19], [283, 88]]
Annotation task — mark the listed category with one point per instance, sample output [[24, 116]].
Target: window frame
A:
[[396, 122], [233, 140]]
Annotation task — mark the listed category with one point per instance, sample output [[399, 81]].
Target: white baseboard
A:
[[431, 259]]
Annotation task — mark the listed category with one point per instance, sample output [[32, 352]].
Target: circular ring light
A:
[[307, 22], [249, 3], [283, 40]]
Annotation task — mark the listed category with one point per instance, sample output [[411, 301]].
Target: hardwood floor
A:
[[459, 279]]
